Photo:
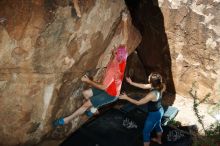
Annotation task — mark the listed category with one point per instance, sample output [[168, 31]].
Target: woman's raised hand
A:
[[123, 96], [85, 78], [128, 79], [124, 16]]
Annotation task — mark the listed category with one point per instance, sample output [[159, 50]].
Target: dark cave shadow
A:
[[153, 51]]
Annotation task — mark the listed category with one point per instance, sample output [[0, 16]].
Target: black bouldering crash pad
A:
[[116, 128]]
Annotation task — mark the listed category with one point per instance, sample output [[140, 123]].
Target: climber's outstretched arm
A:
[[125, 28], [77, 8]]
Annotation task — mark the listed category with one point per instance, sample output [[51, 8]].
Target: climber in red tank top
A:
[[115, 72], [108, 91]]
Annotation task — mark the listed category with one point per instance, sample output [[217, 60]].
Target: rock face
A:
[[153, 52], [181, 40], [44, 50], [193, 32]]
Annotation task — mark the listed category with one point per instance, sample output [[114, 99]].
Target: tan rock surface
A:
[[181, 40], [192, 28], [44, 51]]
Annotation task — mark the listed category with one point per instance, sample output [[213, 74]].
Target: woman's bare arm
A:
[[77, 8], [125, 28], [144, 100], [139, 85], [92, 83]]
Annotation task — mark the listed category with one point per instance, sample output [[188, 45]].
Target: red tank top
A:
[[118, 74]]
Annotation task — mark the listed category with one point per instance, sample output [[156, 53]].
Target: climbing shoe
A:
[[89, 113], [58, 122]]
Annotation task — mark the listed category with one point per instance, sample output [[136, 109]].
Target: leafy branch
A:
[[196, 103], [212, 134]]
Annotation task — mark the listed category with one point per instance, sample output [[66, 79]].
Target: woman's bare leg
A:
[[78, 112], [158, 138], [87, 93]]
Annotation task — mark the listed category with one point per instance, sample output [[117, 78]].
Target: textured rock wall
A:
[[153, 51], [193, 31], [181, 40], [44, 50]]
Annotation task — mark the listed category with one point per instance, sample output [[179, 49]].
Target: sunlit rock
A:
[[44, 50]]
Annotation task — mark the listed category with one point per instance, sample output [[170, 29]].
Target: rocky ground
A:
[[187, 116]]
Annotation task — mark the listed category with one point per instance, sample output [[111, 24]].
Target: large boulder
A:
[[44, 50], [181, 40], [193, 32]]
